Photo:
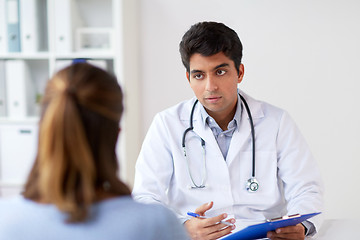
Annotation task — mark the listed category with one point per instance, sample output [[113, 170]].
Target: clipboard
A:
[[260, 230]]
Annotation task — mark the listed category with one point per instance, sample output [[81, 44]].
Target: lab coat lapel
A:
[[241, 138], [204, 131]]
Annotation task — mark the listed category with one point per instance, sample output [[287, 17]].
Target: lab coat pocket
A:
[[266, 174]]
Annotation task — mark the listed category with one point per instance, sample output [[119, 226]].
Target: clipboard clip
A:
[[283, 217]]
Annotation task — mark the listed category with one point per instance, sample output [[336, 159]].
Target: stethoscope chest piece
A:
[[252, 185]]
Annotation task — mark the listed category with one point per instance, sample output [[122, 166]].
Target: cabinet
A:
[[17, 152], [51, 33]]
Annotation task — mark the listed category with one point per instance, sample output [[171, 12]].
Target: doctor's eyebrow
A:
[[196, 71], [215, 68], [221, 65]]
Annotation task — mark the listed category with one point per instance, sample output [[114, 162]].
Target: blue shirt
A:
[[115, 218], [223, 138]]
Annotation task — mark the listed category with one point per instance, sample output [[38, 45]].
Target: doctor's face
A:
[[214, 81]]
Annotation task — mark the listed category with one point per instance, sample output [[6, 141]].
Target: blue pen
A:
[[198, 216]]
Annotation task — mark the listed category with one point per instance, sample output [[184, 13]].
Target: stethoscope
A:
[[252, 185]]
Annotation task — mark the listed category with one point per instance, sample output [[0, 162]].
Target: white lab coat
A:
[[288, 176]]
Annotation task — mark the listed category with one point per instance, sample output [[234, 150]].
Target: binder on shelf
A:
[[2, 90], [21, 97], [42, 9], [29, 28], [3, 28], [13, 25], [259, 231], [31, 17], [66, 21]]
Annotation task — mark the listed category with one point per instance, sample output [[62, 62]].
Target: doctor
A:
[[198, 155]]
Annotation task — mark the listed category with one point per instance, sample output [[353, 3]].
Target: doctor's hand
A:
[[290, 233], [209, 228]]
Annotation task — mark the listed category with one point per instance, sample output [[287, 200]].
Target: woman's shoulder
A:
[[13, 203], [129, 207], [156, 221]]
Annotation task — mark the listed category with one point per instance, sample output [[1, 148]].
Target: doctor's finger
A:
[[215, 220], [299, 229], [290, 233], [203, 208], [200, 229], [219, 230]]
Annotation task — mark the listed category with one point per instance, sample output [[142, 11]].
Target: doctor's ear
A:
[[188, 76], [241, 73]]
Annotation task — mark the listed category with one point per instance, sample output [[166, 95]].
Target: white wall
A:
[[300, 55]]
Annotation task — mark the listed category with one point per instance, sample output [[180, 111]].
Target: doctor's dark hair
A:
[[78, 131], [209, 38]]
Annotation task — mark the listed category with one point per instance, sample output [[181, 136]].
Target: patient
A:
[[73, 191]]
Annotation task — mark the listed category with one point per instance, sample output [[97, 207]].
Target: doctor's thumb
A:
[[203, 208]]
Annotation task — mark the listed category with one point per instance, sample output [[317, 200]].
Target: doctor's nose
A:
[[211, 84]]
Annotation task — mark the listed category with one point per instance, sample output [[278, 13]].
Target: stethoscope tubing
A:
[[252, 180], [252, 134]]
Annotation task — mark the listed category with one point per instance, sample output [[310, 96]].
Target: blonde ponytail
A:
[[78, 131], [63, 144]]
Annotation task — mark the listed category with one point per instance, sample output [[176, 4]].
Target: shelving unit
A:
[[91, 29]]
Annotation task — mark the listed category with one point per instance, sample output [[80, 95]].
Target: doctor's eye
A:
[[198, 76], [220, 72]]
